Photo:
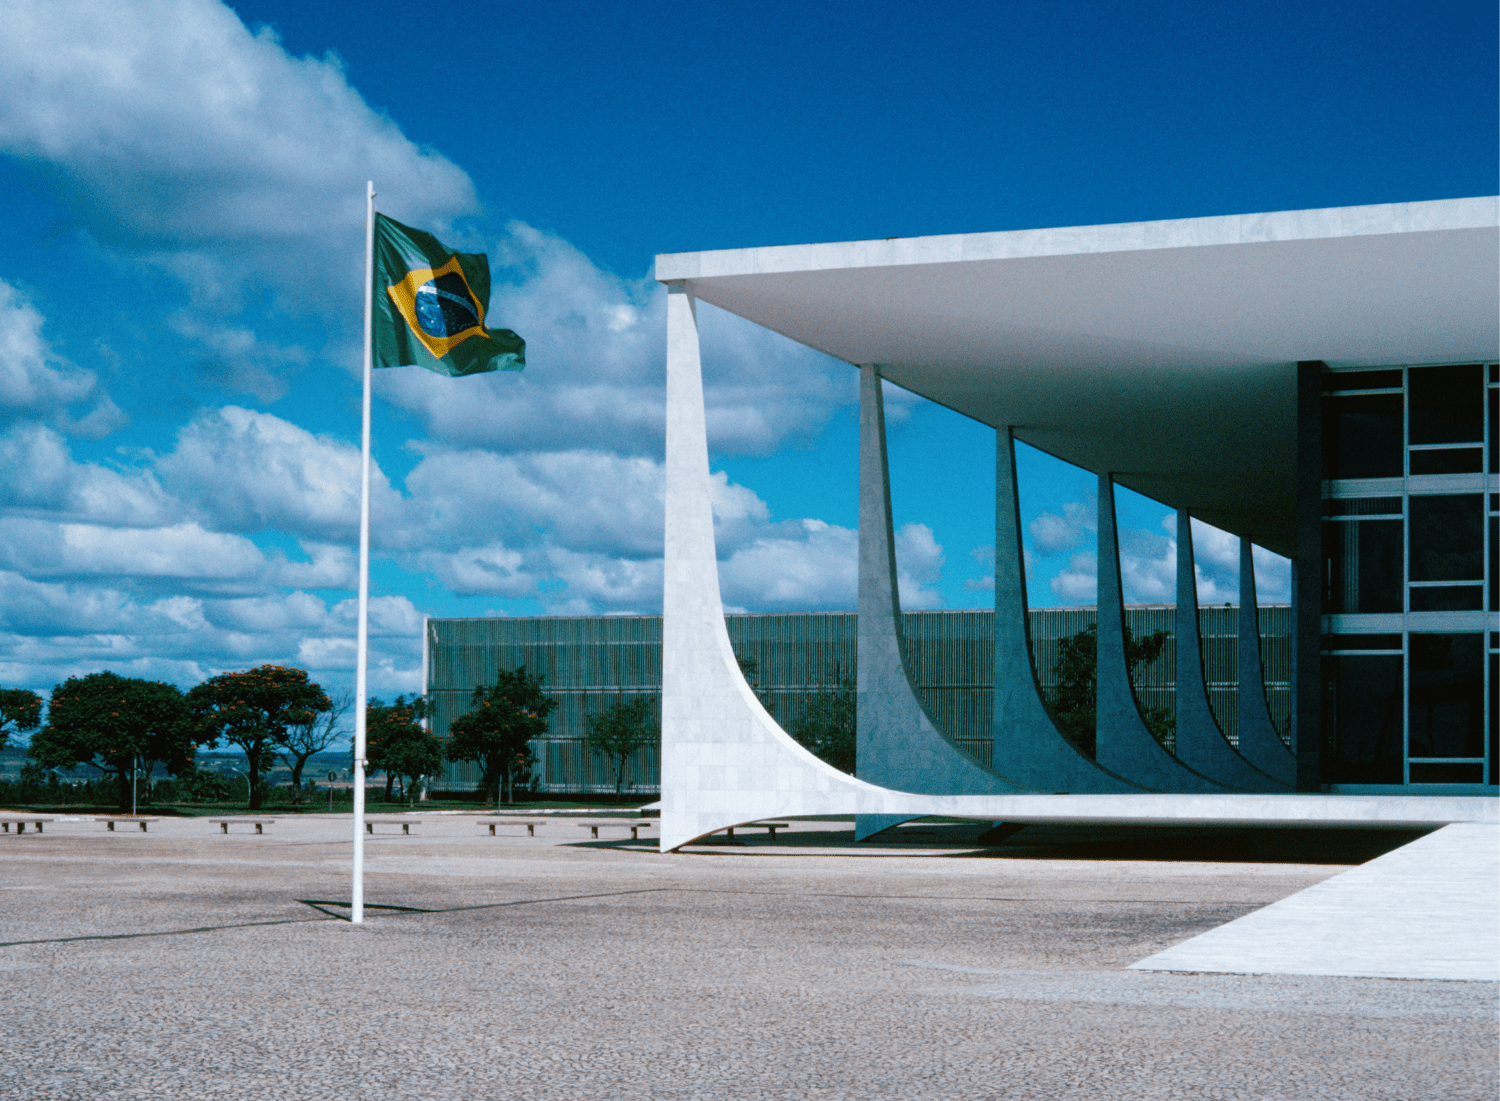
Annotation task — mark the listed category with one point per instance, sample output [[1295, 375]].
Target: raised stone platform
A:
[[1396, 811], [1428, 910]]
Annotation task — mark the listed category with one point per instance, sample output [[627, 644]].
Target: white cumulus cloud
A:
[[38, 476], [180, 135], [1054, 533], [243, 471], [181, 140], [1078, 582], [596, 368], [37, 383], [1148, 569]]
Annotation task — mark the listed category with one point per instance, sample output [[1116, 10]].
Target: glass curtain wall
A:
[[1410, 527]]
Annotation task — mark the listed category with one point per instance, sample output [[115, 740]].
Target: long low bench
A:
[[258, 823], [530, 823], [109, 823], [405, 823], [770, 827], [631, 824], [20, 821]]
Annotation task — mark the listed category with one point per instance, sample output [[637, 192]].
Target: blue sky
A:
[[181, 256]]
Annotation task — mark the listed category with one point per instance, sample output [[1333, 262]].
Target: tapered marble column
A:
[[1201, 745], [1123, 743], [1028, 746], [1259, 742], [897, 744], [724, 760]]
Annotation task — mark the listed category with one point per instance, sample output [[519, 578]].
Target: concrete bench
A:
[[530, 823], [405, 823], [770, 827], [258, 823], [632, 825], [21, 820], [109, 823]]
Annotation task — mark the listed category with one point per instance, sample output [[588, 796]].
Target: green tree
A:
[[321, 730], [254, 710], [397, 743], [621, 729], [110, 721], [20, 709], [1074, 699], [202, 785], [499, 726], [829, 726]]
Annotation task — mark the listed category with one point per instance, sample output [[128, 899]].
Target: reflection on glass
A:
[[1447, 460], [1447, 537], [1362, 436], [1447, 772], [1362, 506], [1362, 642], [1447, 598], [1362, 719], [1363, 566], [1388, 379], [1494, 718], [1447, 696], [1447, 404], [1494, 430], [1495, 570]]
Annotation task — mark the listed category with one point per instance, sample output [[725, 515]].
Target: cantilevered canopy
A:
[[1162, 352]]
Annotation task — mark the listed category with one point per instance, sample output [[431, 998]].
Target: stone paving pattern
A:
[[181, 964]]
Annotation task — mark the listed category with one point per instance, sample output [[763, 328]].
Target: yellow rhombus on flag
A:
[[429, 307]]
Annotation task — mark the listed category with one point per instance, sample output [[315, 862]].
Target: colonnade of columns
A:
[[725, 759], [900, 747]]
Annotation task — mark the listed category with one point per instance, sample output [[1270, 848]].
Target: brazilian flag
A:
[[430, 304]]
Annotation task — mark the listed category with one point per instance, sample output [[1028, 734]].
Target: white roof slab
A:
[[1162, 352]]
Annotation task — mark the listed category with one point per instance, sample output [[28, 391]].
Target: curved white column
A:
[[1124, 745], [1200, 742], [897, 745], [1028, 745], [1259, 742], [724, 760]]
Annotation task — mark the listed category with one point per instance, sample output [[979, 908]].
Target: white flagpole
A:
[[357, 895]]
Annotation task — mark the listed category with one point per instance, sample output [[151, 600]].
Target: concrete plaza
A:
[[182, 963]]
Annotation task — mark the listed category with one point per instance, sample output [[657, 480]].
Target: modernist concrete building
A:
[[1322, 383]]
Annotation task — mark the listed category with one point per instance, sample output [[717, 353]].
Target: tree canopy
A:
[[20, 709], [618, 731], [255, 709], [397, 743], [107, 721], [317, 733], [828, 727], [1074, 699], [498, 728]]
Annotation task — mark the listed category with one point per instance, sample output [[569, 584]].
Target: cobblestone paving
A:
[[184, 964]]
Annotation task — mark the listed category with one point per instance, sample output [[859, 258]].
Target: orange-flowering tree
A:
[[109, 721], [20, 709], [498, 728], [254, 710], [397, 743]]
